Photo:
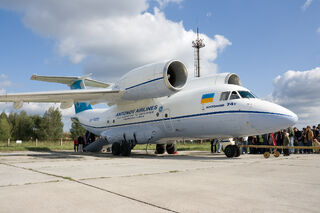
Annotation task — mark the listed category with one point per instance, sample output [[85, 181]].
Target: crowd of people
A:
[[291, 137], [306, 137], [82, 141]]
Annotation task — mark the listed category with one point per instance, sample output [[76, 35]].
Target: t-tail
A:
[[74, 83]]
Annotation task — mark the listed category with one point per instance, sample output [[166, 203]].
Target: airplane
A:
[[155, 104]]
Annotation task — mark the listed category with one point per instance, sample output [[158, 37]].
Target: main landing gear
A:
[[232, 151], [161, 148], [123, 148]]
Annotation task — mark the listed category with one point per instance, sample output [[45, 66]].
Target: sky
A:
[[274, 46]]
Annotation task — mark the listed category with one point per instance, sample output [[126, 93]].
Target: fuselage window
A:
[[224, 96], [234, 95], [246, 94]]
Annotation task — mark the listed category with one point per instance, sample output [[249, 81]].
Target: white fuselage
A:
[[182, 115]]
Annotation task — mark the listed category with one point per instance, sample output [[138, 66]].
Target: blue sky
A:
[[261, 40]]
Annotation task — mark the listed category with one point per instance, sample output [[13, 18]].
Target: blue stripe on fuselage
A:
[[188, 116]]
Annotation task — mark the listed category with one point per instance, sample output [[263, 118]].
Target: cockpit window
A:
[[224, 96], [234, 95], [246, 94]]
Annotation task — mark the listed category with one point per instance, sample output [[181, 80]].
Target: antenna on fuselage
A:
[[197, 44]]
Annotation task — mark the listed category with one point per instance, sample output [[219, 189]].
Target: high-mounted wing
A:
[[66, 98]]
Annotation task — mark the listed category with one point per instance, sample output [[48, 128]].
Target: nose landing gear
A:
[[232, 151]]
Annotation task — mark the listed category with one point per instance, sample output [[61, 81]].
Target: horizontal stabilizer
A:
[[70, 80]]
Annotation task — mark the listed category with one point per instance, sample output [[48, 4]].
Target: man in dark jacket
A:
[[286, 142]]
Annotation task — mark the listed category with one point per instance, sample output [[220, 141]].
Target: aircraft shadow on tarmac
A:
[[49, 154]]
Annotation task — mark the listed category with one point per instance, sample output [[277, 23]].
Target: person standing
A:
[[286, 142], [279, 139], [309, 137], [252, 141], [212, 144], [75, 145], [291, 136], [216, 142], [298, 140], [245, 142], [80, 142]]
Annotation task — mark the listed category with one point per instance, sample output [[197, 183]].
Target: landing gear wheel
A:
[[266, 154], [116, 148], [160, 149], [229, 151], [125, 148], [276, 154], [171, 148], [236, 151]]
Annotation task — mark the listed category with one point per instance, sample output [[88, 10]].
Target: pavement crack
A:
[[95, 187], [25, 184]]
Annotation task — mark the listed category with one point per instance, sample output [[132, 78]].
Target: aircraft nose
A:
[[271, 117], [292, 117]]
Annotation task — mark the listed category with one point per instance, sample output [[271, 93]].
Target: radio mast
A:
[[197, 44]]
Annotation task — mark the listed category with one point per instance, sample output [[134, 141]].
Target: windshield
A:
[[246, 94], [234, 95]]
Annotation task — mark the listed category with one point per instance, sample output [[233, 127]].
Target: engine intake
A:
[[175, 75], [154, 80]]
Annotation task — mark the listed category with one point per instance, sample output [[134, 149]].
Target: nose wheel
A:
[[232, 151]]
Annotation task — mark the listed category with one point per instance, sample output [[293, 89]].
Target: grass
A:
[[44, 146]]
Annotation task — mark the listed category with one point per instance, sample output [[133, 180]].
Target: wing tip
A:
[[34, 77]]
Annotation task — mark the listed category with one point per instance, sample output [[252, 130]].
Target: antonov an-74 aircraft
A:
[[155, 104]]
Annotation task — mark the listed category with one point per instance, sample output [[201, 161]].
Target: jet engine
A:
[[227, 78], [153, 80], [220, 78]]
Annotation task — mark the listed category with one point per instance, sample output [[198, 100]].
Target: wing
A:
[[66, 98]]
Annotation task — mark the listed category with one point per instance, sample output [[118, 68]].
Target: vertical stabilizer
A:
[[80, 106]]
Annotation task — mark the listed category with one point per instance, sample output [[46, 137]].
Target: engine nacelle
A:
[[220, 78], [226, 78], [154, 80]]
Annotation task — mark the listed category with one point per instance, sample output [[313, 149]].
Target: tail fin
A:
[[80, 106], [74, 83]]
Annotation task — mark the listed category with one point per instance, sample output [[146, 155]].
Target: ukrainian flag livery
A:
[[207, 98]]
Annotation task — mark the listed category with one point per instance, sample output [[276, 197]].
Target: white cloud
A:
[[318, 30], [164, 3], [2, 91], [306, 4], [4, 82], [112, 37], [299, 91]]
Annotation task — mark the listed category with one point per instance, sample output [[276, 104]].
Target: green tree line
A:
[[21, 126]]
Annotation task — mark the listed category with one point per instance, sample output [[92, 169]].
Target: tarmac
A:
[[187, 182]]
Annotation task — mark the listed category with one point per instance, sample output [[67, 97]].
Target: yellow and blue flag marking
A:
[[207, 98]]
